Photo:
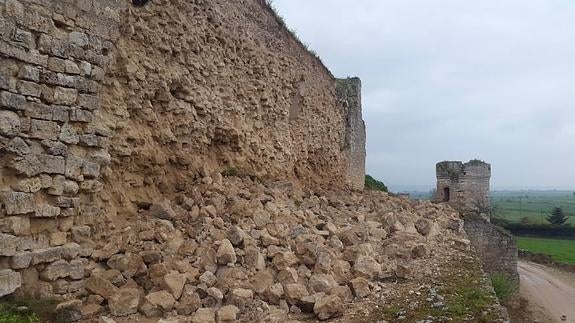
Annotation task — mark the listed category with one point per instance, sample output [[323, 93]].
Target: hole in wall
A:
[[139, 3]]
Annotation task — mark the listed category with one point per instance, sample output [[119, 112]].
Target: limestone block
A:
[[72, 67], [124, 302], [8, 244], [204, 315], [85, 68], [28, 185], [12, 101], [80, 115], [43, 129], [69, 135], [58, 238], [67, 251], [161, 299], [9, 123], [91, 170], [63, 269], [71, 188], [29, 89], [99, 285], [57, 187], [47, 211], [21, 260], [65, 96], [17, 202], [55, 147], [46, 112], [29, 73], [79, 39], [227, 313], [69, 311], [90, 140], [18, 225], [9, 281], [56, 64], [88, 102], [327, 307], [74, 167], [18, 146], [25, 38]]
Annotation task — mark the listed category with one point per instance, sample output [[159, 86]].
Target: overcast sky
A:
[[455, 80]]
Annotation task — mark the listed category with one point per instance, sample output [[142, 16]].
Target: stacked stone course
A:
[[53, 55]]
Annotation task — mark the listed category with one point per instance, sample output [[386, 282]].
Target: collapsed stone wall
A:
[[496, 248], [210, 85], [106, 108]]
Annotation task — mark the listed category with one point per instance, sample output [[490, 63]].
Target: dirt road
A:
[[551, 290]]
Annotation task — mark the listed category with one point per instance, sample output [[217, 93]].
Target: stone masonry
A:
[[73, 95], [53, 56], [496, 247], [464, 185], [349, 93]]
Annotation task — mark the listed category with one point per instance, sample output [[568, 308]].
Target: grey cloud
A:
[[455, 79]]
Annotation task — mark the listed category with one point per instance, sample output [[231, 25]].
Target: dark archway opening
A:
[[446, 194]]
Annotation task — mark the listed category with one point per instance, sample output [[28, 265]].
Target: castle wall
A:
[[53, 58], [468, 183], [496, 248], [105, 107], [349, 95]]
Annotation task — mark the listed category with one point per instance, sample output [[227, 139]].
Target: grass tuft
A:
[[502, 285]]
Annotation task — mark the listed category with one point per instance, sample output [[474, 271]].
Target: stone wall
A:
[[464, 185], [349, 93], [53, 56], [496, 248], [105, 108]]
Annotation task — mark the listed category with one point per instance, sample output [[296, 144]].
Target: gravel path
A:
[[550, 289]]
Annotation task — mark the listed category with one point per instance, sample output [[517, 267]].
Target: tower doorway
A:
[[446, 194]]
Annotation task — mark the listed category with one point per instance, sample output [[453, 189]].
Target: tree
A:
[[373, 184], [557, 217]]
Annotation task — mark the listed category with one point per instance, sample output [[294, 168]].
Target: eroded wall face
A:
[[218, 84], [105, 107]]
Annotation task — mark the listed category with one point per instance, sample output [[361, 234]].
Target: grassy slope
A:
[[560, 250]]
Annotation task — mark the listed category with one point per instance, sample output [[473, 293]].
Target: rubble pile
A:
[[237, 249]]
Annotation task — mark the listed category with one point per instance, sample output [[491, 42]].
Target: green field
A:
[[560, 250], [535, 205]]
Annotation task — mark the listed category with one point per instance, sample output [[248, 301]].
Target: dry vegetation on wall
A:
[[268, 4]]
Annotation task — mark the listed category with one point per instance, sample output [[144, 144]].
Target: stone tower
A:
[[464, 185]]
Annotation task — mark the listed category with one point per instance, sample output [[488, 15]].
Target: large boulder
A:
[[366, 267], [124, 302], [328, 307], [226, 254]]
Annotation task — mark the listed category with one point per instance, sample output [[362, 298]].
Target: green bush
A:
[[10, 313], [502, 285], [374, 185], [230, 171]]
